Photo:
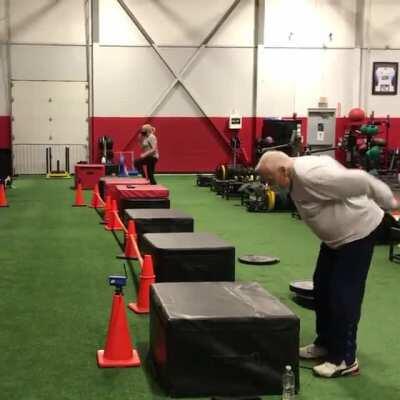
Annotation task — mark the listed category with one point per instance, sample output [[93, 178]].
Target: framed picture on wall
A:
[[384, 78]]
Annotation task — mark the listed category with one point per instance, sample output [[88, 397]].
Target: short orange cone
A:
[[114, 223], [107, 210], [3, 197], [147, 278], [118, 351], [95, 202], [79, 199], [130, 251]]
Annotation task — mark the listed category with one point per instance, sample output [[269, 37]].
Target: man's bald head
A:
[[275, 167]]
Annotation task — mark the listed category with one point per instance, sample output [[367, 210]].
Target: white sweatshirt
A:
[[150, 143], [340, 205]]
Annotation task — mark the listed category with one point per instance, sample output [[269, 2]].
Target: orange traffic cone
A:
[[107, 210], [147, 277], [79, 199], [118, 350], [95, 203], [130, 251], [3, 197], [114, 223]]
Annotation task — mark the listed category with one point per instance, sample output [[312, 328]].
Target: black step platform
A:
[[221, 339], [190, 257], [158, 221], [144, 203]]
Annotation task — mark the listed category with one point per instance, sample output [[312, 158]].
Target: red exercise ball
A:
[[356, 115]]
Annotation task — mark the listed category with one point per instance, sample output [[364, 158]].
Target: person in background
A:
[[344, 208], [150, 154]]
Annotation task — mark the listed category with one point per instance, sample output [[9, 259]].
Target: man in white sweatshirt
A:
[[344, 208]]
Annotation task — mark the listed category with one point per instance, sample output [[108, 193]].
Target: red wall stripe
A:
[[5, 132], [186, 143], [189, 143]]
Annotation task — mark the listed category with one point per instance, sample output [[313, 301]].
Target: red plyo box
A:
[[88, 174]]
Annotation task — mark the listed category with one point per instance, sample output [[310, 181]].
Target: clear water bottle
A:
[[288, 384]]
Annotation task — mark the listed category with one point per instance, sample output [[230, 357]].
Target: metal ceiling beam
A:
[[194, 56], [178, 77]]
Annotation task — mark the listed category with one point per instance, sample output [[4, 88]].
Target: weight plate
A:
[[252, 259], [302, 288]]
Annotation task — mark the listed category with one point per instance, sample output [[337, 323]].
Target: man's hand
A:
[[395, 204]]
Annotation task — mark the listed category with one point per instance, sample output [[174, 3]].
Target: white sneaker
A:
[[329, 370], [312, 351]]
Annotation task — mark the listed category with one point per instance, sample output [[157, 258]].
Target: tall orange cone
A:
[[95, 202], [107, 210], [147, 278], [114, 223], [130, 251], [79, 199], [118, 351], [3, 197]]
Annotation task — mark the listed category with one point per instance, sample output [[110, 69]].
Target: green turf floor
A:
[[55, 300]]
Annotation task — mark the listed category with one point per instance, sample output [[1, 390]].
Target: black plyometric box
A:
[[221, 339], [157, 221], [5, 163], [144, 203], [190, 257]]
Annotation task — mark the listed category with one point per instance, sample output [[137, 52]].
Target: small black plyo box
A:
[[221, 339], [157, 221], [190, 257], [144, 203]]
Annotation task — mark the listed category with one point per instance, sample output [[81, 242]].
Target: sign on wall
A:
[[384, 78]]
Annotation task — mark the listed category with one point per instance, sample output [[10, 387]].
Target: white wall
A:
[[309, 52], [47, 21], [295, 79], [299, 61], [4, 103], [382, 44], [308, 23], [382, 19], [177, 22], [47, 42], [220, 79], [53, 63]]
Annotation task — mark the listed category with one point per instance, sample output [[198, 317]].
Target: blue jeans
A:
[[339, 284]]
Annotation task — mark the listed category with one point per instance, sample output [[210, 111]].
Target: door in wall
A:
[[48, 114]]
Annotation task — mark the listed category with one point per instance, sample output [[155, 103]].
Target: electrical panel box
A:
[[321, 128], [235, 121]]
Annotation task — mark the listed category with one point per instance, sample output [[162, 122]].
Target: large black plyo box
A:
[[190, 257], [221, 339], [5, 163], [144, 203], [157, 221]]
